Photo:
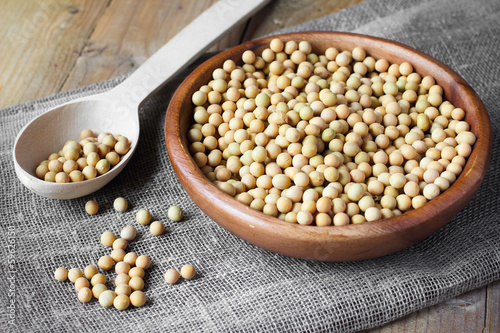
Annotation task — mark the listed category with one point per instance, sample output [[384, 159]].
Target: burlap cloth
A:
[[240, 287]]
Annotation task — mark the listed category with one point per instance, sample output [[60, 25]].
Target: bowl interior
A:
[[333, 243]]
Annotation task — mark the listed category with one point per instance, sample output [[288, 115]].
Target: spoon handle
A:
[[183, 49]]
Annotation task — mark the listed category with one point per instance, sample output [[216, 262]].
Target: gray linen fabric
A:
[[240, 287]]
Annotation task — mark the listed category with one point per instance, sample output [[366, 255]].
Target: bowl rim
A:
[[405, 228]]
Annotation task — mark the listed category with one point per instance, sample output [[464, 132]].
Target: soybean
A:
[[375, 130]]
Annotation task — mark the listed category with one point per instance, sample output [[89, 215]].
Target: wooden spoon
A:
[[116, 111]]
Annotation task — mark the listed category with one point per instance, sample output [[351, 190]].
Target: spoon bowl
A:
[[42, 136], [116, 111]]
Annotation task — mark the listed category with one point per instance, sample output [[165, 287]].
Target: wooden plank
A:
[[131, 31], [42, 40], [465, 313], [285, 13], [492, 322], [127, 33]]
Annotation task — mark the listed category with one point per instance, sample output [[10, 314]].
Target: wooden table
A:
[[51, 46]]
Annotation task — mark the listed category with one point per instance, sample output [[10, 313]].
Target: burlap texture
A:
[[240, 287]]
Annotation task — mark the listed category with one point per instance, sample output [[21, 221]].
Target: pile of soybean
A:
[[129, 267], [92, 156], [327, 139]]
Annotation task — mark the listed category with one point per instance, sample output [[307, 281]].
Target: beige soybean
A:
[[120, 243], [102, 166], [106, 298], [123, 289], [80, 283], [136, 283], [188, 272], [98, 289], [98, 279], [128, 233], [87, 133], [136, 271], [137, 298], [61, 274], [76, 176], [91, 207], [108, 238], [122, 147], [120, 204], [113, 158], [121, 302], [90, 271], [171, 276], [105, 263], [130, 258], [143, 262], [175, 213], [74, 274], [143, 216], [85, 295], [117, 255], [122, 278], [89, 172], [156, 228]]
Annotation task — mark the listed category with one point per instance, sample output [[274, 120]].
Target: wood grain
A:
[[465, 313], [43, 40], [492, 320], [113, 38], [283, 14], [128, 33], [475, 311]]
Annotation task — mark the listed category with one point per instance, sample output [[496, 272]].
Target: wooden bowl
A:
[[332, 243]]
